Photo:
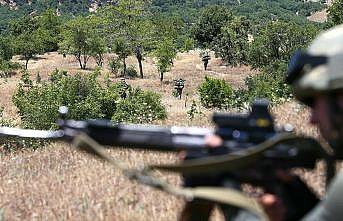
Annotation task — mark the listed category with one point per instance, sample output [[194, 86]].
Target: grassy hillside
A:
[[56, 182]]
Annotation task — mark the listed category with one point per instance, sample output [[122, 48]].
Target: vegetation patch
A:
[[215, 93], [86, 99]]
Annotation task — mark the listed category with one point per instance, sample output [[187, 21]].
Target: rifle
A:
[[252, 148]]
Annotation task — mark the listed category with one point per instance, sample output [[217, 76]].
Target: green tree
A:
[[49, 25], [6, 53], [278, 41], [171, 27], [165, 53], [123, 50], [138, 30], [29, 45], [98, 49], [209, 25], [335, 12], [128, 28], [27, 38], [142, 43], [232, 42], [6, 48], [81, 39]]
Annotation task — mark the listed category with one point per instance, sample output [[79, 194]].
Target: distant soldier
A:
[[205, 59], [178, 86], [124, 88]]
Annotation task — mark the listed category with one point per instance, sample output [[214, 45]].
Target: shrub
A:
[[14, 143], [131, 72], [115, 65], [194, 111], [5, 122], [139, 107], [25, 78], [109, 99], [268, 84], [215, 93], [86, 98], [8, 68], [38, 104]]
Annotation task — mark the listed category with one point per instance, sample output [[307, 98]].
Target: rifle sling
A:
[[216, 194], [226, 163]]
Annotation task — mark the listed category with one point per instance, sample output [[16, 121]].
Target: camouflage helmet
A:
[[319, 70]]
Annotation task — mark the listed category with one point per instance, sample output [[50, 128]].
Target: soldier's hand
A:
[[293, 201], [273, 207], [212, 141]]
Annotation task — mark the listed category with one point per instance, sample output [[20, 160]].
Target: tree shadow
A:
[[8, 74], [35, 58]]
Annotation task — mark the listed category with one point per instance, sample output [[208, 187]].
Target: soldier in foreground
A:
[[317, 79]]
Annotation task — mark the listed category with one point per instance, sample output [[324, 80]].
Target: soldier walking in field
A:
[[178, 86], [205, 60]]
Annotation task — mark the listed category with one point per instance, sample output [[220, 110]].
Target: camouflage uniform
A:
[[331, 207]]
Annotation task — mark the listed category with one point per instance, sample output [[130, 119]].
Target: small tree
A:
[[98, 50], [6, 53], [33, 35], [232, 42], [165, 53], [277, 41], [122, 49], [80, 38], [209, 24], [6, 48], [50, 26], [29, 45], [128, 28]]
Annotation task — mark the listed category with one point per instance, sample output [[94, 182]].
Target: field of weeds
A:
[[56, 182]]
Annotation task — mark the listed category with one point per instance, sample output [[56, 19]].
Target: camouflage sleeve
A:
[[331, 208]]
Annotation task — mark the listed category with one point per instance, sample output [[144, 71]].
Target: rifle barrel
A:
[[149, 137], [28, 133]]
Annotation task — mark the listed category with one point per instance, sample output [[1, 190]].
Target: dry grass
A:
[[58, 183]]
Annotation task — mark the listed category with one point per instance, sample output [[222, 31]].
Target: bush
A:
[[115, 65], [38, 104], [8, 68], [131, 72], [194, 111], [25, 78], [215, 93], [270, 84], [86, 98], [14, 143], [110, 97], [139, 107]]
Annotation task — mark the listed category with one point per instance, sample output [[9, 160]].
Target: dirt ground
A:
[[56, 182]]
